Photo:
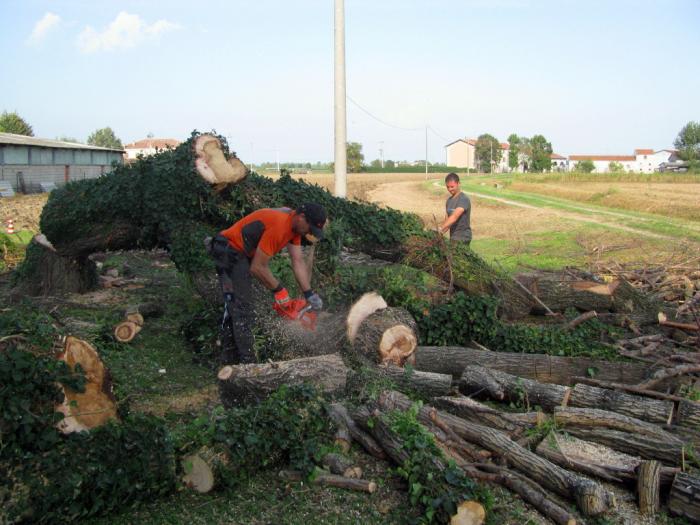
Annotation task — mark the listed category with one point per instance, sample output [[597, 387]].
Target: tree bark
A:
[[689, 414], [649, 486], [540, 367], [597, 418], [506, 387], [389, 335], [252, 383], [331, 480], [591, 498], [684, 499], [652, 410], [427, 384], [341, 417], [342, 466]]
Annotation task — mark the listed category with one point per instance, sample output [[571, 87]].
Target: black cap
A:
[[316, 217]]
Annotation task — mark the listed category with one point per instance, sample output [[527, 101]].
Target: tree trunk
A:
[[331, 480], [591, 498], [513, 424], [652, 410], [689, 414], [96, 405], [684, 499], [506, 387], [203, 469], [427, 384], [342, 466], [244, 384], [540, 367], [340, 416], [388, 335], [597, 418], [648, 487]]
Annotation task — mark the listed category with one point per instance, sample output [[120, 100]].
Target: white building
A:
[[148, 147], [643, 160]]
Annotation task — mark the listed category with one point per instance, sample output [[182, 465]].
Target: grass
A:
[[572, 177]]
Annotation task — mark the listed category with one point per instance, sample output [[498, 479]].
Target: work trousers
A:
[[233, 270]]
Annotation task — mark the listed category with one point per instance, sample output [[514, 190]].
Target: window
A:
[[42, 156], [16, 155]]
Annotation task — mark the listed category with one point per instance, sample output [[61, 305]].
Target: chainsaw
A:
[[298, 310]]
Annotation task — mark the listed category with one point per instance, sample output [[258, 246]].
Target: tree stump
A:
[[387, 336]]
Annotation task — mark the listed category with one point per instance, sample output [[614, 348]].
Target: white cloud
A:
[[123, 32], [43, 26]]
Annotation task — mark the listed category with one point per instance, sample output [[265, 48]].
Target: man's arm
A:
[[299, 267], [451, 219], [260, 269]]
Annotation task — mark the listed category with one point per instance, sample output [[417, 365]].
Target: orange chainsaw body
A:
[[298, 310]]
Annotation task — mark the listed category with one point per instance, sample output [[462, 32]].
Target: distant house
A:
[[27, 162], [148, 147], [643, 160], [462, 154], [559, 162]]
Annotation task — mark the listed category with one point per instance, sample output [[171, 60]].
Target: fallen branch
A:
[[581, 319], [667, 373], [627, 388], [331, 480]]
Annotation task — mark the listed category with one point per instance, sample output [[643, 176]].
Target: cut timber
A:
[[597, 418], [342, 439], [242, 384], [342, 466], [590, 497], [469, 513], [331, 480], [427, 384], [212, 165], [387, 336], [202, 469], [684, 498], [135, 317], [506, 387], [540, 367], [689, 414], [96, 405], [361, 309], [125, 331], [649, 486], [342, 419], [652, 410]]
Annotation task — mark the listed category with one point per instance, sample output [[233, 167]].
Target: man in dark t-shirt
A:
[[458, 210]]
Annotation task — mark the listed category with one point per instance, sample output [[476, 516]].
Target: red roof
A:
[[153, 144], [505, 145], [556, 156], [644, 152], [602, 157]]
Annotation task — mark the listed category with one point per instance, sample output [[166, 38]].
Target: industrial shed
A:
[[27, 162]]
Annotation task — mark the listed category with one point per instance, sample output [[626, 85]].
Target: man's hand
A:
[[282, 298], [314, 300]]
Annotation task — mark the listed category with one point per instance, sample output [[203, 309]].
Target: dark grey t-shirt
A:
[[460, 230]]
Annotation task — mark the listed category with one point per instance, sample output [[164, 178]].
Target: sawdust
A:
[[194, 401]]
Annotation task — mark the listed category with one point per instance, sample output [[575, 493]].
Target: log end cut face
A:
[[198, 474], [469, 513], [212, 165], [361, 310], [397, 345]]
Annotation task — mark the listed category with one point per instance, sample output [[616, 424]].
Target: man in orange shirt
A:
[[246, 248]]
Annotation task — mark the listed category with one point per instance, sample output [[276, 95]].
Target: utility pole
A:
[[426, 152], [341, 160], [277, 156], [381, 152], [491, 160]]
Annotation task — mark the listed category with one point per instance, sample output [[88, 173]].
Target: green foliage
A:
[[13, 123], [104, 138], [688, 141], [584, 166], [437, 491], [615, 167], [355, 158], [540, 151], [513, 151], [488, 152], [289, 427]]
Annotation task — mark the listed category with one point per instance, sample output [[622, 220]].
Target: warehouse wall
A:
[[33, 175]]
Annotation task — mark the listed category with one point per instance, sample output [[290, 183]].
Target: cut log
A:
[[540, 367], [689, 414], [387, 336], [252, 383], [134, 317], [469, 513], [594, 459], [342, 466], [513, 424], [212, 165], [684, 498], [125, 331], [428, 384], [147, 310], [649, 486], [342, 439], [341, 417], [626, 388], [478, 380], [331, 480], [652, 410], [664, 374], [647, 447], [96, 405], [203, 469], [590, 497], [361, 310], [597, 418]]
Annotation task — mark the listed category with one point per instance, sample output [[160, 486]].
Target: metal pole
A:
[[341, 161], [381, 152], [426, 152]]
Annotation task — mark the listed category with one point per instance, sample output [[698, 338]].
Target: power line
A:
[[431, 129], [380, 120]]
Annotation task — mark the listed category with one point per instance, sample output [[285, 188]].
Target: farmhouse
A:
[[148, 146], [462, 154], [27, 163], [643, 160]]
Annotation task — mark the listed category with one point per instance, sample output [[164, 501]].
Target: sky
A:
[[592, 76]]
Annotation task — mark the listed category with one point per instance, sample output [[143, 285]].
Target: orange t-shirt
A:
[[268, 229]]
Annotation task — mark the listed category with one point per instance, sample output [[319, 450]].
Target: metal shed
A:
[[26, 162]]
